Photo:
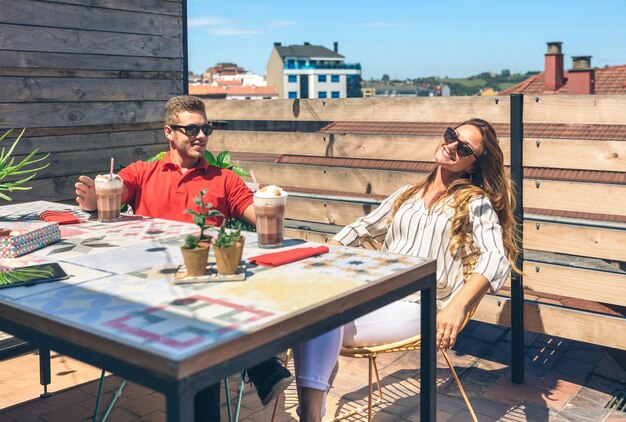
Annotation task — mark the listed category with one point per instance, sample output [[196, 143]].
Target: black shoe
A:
[[270, 379]]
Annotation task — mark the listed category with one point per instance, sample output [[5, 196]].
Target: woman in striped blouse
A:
[[462, 208]]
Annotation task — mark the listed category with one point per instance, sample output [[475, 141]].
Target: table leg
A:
[[44, 371], [428, 356], [180, 405]]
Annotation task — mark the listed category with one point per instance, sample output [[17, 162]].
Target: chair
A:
[[118, 393], [413, 343]]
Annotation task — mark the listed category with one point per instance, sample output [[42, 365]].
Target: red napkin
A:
[[61, 217], [285, 257]]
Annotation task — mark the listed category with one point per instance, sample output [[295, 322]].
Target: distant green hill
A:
[[471, 85]]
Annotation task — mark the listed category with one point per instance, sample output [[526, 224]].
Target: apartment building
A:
[[312, 71]]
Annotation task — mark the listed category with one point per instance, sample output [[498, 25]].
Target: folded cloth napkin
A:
[[285, 257], [61, 217]]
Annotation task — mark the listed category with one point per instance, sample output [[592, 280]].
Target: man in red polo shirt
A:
[[165, 188]]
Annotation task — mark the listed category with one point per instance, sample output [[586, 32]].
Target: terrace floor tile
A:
[[555, 389]]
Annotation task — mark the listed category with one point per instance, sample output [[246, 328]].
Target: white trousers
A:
[[315, 360]]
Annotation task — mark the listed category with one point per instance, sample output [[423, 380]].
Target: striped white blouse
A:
[[416, 231]]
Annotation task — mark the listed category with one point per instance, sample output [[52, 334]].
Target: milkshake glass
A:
[[269, 207], [109, 197]]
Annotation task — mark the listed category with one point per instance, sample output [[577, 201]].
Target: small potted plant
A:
[[228, 248], [195, 255], [195, 250]]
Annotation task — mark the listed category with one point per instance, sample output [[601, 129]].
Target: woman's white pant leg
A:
[[397, 321], [315, 360]]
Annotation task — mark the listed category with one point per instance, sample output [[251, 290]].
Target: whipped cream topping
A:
[[270, 191], [103, 181]]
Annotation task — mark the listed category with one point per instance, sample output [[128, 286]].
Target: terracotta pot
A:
[[228, 259], [196, 259]]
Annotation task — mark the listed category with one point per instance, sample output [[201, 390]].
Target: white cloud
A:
[[230, 31], [277, 23], [217, 25], [209, 21], [381, 24]]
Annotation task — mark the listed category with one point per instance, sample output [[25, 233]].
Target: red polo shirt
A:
[[161, 190]]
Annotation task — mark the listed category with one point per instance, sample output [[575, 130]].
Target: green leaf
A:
[[239, 171], [210, 159], [157, 157], [10, 167], [223, 159]]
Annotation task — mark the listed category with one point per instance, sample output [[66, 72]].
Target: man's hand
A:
[[86, 193]]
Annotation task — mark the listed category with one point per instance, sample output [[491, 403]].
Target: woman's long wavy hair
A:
[[488, 178]]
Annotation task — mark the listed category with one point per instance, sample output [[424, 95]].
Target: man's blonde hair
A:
[[179, 104]]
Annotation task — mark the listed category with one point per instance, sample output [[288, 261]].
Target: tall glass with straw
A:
[[109, 189]]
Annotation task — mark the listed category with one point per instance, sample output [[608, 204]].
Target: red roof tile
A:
[[531, 130], [608, 80], [232, 90]]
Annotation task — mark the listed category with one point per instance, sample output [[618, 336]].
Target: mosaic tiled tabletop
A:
[[121, 288]]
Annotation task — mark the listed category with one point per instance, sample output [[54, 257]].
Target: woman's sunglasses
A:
[[193, 130], [463, 149]]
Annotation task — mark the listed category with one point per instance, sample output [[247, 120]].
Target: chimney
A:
[[553, 74], [277, 44], [336, 47], [581, 79]]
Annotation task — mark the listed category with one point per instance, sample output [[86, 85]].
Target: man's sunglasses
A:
[[193, 130], [463, 149]]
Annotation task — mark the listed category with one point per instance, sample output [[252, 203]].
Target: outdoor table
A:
[[120, 311]]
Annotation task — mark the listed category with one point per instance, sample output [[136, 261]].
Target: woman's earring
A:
[[470, 177]]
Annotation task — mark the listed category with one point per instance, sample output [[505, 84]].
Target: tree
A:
[[385, 78], [506, 73]]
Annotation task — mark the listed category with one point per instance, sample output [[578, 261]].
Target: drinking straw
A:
[[111, 170], [253, 178]]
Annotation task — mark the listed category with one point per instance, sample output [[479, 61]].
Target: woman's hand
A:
[[451, 318], [449, 322]]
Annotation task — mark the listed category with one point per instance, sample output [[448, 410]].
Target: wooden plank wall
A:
[[590, 240], [88, 80]]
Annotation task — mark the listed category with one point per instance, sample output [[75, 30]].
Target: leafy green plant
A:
[[191, 242], [9, 168], [206, 210], [13, 276], [241, 225], [223, 161], [226, 239]]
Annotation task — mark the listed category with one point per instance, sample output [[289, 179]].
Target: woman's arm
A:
[[373, 225], [489, 273], [450, 319]]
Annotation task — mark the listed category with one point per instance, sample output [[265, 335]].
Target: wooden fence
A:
[[88, 80], [328, 191]]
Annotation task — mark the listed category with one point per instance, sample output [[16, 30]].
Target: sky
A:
[[410, 38]]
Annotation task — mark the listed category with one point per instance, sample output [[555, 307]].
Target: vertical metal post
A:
[[44, 370], [517, 280], [428, 353], [185, 41]]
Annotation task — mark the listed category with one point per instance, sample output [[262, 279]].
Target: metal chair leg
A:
[[458, 383], [229, 410], [370, 387], [239, 397], [117, 395], [95, 411]]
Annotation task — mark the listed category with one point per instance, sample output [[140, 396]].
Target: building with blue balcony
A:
[[312, 71]]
